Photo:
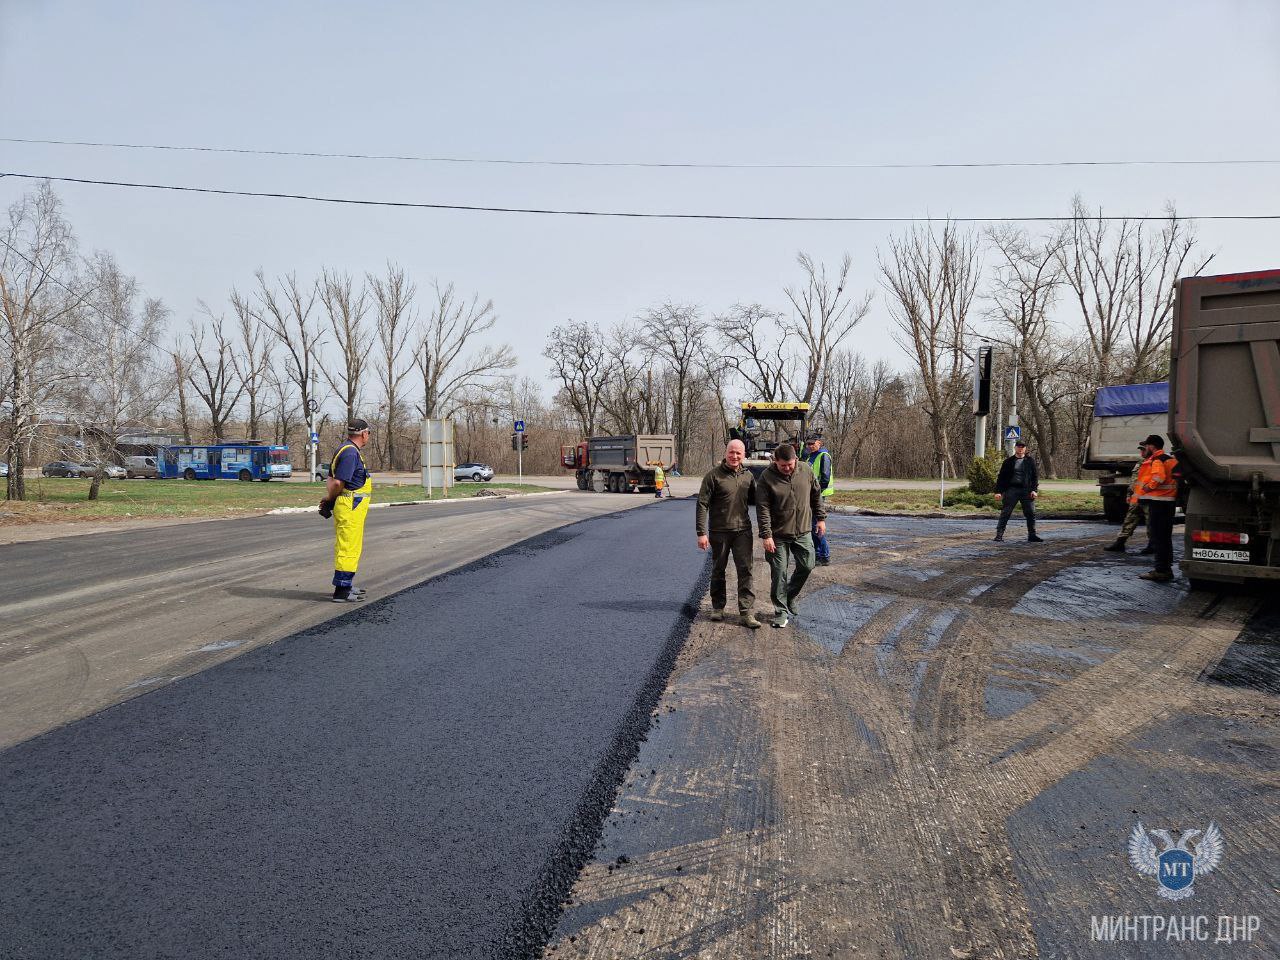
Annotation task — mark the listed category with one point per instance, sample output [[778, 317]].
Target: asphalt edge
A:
[[544, 904]]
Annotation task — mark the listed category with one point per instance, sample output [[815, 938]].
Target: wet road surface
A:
[[943, 757], [417, 778]]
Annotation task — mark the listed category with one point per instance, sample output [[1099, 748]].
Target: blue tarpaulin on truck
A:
[[1131, 400]]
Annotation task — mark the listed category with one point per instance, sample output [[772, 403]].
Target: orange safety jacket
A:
[[1156, 480]]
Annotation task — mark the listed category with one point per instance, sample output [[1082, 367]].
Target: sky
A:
[[695, 82]]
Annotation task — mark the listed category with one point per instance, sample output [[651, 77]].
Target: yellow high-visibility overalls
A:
[[349, 512]]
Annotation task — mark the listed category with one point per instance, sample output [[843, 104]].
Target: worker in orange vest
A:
[[1157, 491]]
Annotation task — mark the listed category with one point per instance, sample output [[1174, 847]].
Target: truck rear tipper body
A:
[[1122, 418], [1225, 420], [623, 464]]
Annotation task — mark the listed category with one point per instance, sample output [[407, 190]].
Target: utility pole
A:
[[312, 437]]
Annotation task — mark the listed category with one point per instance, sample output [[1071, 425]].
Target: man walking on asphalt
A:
[[790, 508], [349, 490], [724, 525], [1018, 483], [1135, 514], [819, 460], [1157, 490]]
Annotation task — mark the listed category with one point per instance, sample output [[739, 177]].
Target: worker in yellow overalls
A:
[[350, 490]]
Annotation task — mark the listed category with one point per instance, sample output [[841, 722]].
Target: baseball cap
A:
[[357, 425]]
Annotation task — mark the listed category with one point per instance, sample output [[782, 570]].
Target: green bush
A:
[[967, 498], [982, 476]]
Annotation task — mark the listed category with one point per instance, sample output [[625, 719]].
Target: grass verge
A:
[[52, 499], [1050, 502]]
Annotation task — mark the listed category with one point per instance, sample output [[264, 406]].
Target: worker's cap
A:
[[1155, 440], [813, 438], [1021, 443], [356, 425]]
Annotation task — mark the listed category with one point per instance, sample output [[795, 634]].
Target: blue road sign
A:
[[1012, 433], [315, 437], [519, 426]]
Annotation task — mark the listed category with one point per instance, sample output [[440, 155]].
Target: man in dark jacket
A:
[[724, 525], [790, 508], [1018, 483]]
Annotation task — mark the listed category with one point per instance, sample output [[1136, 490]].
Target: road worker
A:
[[1157, 491], [789, 507], [1134, 516], [349, 490], [820, 462], [659, 481], [723, 524]]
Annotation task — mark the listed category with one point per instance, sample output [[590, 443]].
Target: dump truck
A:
[[764, 425], [623, 464], [1225, 420], [1123, 416]]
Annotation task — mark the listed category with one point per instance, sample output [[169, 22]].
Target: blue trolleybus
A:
[[225, 461]]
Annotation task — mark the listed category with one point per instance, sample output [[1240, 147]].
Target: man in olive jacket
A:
[[724, 524], [790, 508]]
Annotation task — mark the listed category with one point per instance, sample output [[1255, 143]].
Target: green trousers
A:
[[783, 588], [1135, 516]]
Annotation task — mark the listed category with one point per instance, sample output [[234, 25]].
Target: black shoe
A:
[[999, 538], [347, 595], [1147, 551], [1117, 547], [824, 561], [1032, 538]]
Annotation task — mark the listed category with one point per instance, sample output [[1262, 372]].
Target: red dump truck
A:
[[619, 464], [1224, 415]]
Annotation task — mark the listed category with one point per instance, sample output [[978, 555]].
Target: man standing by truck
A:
[[1157, 491], [819, 460], [724, 525], [1018, 483], [349, 490], [1134, 516], [790, 508]]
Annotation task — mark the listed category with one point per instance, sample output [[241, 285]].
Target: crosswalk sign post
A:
[[1012, 434], [519, 425]]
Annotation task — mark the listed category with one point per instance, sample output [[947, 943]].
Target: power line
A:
[[625, 214], [676, 165]]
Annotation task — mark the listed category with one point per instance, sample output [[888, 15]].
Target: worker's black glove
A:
[[326, 508]]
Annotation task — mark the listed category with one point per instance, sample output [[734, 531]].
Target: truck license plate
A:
[[1213, 553]]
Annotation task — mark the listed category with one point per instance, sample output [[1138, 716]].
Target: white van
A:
[[141, 468]]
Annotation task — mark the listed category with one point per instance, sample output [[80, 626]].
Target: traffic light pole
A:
[[520, 458]]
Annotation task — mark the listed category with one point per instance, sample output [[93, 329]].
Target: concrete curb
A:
[[416, 503], [939, 515]]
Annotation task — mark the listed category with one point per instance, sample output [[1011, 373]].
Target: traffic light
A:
[[515, 441], [524, 441]]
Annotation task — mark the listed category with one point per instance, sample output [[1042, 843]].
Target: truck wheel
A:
[[188, 474], [1114, 508], [245, 476]]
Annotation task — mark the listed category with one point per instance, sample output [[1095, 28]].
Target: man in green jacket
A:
[[790, 508], [724, 525]]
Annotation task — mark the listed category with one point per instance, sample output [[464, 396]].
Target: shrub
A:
[[982, 476], [966, 498]]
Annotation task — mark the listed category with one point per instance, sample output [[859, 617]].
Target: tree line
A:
[[85, 350]]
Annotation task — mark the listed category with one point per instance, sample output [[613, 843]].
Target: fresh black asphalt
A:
[[420, 777]]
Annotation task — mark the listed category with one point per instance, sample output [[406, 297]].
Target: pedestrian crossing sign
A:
[[1012, 433]]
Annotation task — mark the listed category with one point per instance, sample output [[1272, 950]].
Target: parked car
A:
[[63, 468], [478, 472], [322, 470], [110, 470], [141, 468], [4, 469]]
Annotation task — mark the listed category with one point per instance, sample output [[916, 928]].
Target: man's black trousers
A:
[[739, 545], [1012, 497], [1160, 529]]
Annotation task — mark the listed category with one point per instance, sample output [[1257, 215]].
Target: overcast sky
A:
[[728, 82]]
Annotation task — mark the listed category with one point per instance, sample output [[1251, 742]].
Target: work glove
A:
[[326, 508]]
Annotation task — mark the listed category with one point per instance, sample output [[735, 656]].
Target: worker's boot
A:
[[1157, 576], [749, 620], [1147, 551], [1117, 547], [716, 615]]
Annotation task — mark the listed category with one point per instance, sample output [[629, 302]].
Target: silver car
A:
[[109, 470], [475, 472]]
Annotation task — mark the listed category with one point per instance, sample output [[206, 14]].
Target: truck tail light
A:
[[1219, 536]]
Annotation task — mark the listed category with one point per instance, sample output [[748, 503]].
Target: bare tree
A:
[[578, 360], [1160, 258], [753, 343], [854, 396], [394, 296], [674, 334], [346, 307], [624, 383], [448, 330], [825, 315], [123, 383], [287, 314], [251, 360], [931, 277], [38, 303], [212, 371], [181, 373]]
